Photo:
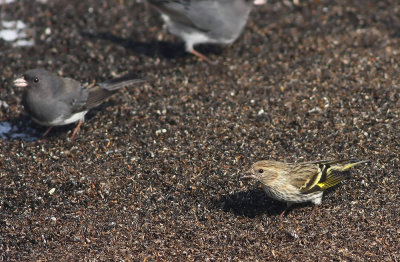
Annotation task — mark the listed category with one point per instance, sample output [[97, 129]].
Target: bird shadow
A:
[[165, 49], [24, 128], [251, 203], [20, 128], [254, 203]]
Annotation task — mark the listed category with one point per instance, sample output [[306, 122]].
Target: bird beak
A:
[[20, 82], [259, 2], [249, 174]]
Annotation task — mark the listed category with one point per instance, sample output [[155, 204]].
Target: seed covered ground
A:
[[155, 172]]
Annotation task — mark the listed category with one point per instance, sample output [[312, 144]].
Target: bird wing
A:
[[191, 13], [321, 175], [97, 95], [74, 95], [304, 176]]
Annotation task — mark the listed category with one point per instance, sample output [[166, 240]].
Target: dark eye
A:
[[36, 80], [260, 170]]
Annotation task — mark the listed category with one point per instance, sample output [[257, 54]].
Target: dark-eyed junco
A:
[[205, 21], [300, 182], [51, 100]]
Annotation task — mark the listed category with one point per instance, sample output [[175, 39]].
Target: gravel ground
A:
[[155, 172]]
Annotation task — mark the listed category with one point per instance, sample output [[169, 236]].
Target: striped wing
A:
[[321, 175]]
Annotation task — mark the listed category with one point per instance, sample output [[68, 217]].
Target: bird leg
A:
[[313, 211], [288, 205], [47, 132], [282, 214], [76, 129], [201, 56]]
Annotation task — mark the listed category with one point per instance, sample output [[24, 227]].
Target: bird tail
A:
[[120, 82], [347, 164], [102, 91], [332, 171], [335, 162]]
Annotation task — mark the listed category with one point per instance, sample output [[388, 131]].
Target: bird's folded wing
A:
[[305, 177], [74, 94], [97, 95], [328, 173]]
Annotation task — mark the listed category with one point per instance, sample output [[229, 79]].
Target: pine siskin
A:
[[302, 182]]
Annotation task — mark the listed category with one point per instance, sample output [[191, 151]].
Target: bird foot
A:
[[203, 57]]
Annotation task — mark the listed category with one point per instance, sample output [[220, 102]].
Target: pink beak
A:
[[249, 174], [259, 2], [20, 82]]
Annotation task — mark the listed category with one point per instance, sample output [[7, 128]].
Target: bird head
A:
[[265, 171], [36, 79]]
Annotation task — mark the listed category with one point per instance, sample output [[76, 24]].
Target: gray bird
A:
[[55, 101], [205, 21]]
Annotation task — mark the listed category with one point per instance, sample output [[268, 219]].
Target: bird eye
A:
[[36, 80], [260, 171]]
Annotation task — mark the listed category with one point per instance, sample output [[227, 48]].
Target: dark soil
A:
[[155, 172]]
